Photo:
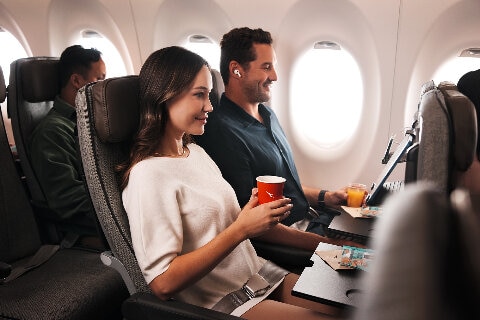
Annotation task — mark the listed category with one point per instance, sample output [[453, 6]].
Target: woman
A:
[[189, 234]]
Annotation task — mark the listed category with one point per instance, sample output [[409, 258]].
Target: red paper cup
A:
[[270, 188]]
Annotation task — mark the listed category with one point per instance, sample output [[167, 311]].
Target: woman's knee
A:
[[283, 293], [271, 309]]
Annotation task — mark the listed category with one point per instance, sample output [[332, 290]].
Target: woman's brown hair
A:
[[166, 73]]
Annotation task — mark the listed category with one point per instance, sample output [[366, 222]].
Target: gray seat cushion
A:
[[73, 284]]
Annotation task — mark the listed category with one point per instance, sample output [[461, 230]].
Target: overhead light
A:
[[197, 38], [326, 45], [90, 34], [470, 52]]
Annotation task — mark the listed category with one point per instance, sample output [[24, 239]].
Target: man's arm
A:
[[292, 237], [332, 199]]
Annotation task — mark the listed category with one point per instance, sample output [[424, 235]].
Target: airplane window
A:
[[206, 48], [110, 55], [15, 51], [326, 96]]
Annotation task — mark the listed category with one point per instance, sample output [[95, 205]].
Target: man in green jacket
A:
[[52, 145]]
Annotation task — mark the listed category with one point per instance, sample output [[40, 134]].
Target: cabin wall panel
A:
[[398, 44], [126, 36], [265, 14], [92, 15], [145, 15], [30, 25], [435, 40], [176, 20], [416, 18], [370, 36]]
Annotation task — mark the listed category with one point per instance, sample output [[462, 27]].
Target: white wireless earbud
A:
[[237, 73]]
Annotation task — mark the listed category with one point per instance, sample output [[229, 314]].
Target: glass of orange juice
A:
[[356, 192]]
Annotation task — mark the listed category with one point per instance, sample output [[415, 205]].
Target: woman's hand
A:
[[256, 219]]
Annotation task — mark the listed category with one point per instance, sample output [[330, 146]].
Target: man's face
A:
[[260, 75], [97, 72]]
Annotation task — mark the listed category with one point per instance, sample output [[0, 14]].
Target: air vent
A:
[[197, 38], [470, 52], [326, 45]]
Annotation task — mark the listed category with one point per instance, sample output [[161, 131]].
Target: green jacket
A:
[[55, 162]]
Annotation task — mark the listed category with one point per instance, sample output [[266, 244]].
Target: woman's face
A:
[[188, 112]]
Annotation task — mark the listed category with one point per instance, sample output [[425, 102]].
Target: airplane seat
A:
[[432, 272], [464, 126], [411, 156], [107, 118], [447, 134], [40, 281], [33, 86], [3, 87], [218, 88], [291, 259]]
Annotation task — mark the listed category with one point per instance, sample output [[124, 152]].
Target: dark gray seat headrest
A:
[[218, 88], [116, 108], [40, 80]]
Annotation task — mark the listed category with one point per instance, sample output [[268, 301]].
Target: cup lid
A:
[[270, 179]]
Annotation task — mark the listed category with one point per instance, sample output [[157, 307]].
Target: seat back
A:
[[69, 284], [218, 88], [107, 118], [432, 273], [19, 236], [447, 135], [3, 87], [33, 86]]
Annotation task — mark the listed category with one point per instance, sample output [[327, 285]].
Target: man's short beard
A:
[[255, 95]]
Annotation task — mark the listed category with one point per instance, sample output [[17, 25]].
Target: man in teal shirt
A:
[[244, 137], [52, 145]]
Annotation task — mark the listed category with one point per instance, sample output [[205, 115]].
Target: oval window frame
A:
[[312, 140]]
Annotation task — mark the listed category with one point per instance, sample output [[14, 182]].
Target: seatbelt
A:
[[43, 254], [256, 286]]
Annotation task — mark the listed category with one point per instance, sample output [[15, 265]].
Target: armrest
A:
[[146, 306], [109, 260], [286, 257]]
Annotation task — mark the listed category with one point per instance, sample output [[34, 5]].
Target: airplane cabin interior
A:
[[365, 92]]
